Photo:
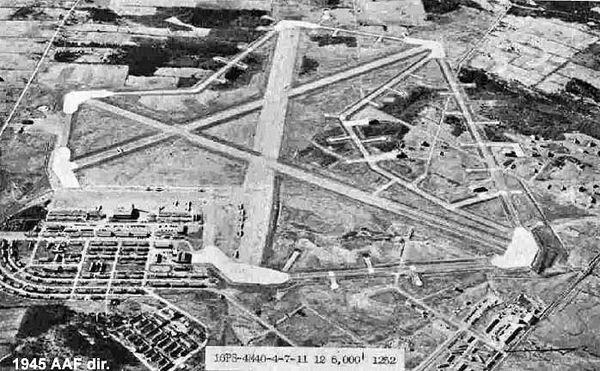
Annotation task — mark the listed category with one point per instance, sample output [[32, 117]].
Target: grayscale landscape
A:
[[420, 175]]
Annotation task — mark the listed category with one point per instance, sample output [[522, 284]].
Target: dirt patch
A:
[[407, 108], [38, 319], [172, 163], [441, 6], [103, 15], [583, 89]]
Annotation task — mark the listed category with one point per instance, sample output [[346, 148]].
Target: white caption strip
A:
[[231, 358]]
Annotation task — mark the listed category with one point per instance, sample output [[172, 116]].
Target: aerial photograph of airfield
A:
[[419, 175]]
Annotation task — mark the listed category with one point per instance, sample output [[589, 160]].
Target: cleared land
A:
[[93, 130], [175, 163], [321, 54], [238, 131]]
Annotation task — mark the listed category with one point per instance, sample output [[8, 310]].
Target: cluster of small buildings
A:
[[67, 252], [89, 254], [127, 214], [67, 216], [9, 252], [175, 216], [70, 229], [26, 282], [50, 274], [241, 220], [500, 322], [466, 353], [174, 231], [512, 320], [161, 338], [481, 307], [509, 320]]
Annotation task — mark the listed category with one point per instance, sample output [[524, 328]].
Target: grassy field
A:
[[306, 123], [490, 209], [316, 220], [174, 163], [93, 130], [239, 131], [175, 109], [580, 238], [22, 167], [11, 319], [571, 326], [320, 54]]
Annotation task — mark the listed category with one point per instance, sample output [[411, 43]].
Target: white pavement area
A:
[[72, 100], [63, 168], [521, 251], [259, 185], [238, 273]]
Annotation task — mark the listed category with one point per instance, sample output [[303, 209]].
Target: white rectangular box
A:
[[232, 358]]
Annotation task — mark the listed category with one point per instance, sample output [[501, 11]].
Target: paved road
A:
[[497, 237], [476, 199], [253, 105], [402, 269], [38, 66], [224, 115], [550, 308], [496, 240], [238, 110], [385, 87], [259, 185], [233, 301], [121, 150], [489, 158], [359, 70], [412, 187], [138, 144], [219, 74]]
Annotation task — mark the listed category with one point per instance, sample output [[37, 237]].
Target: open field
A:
[[315, 220], [455, 297], [174, 109], [332, 99], [177, 109], [11, 320], [572, 328], [322, 225], [284, 309], [580, 238], [172, 163], [576, 324], [456, 29], [93, 130], [307, 125], [490, 209], [369, 311], [22, 173], [321, 54], [238, 131]]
